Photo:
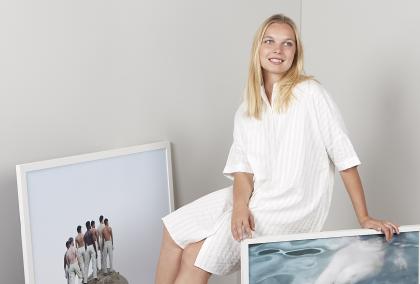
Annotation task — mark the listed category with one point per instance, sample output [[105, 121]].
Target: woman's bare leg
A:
[[169, 260], [188, 273]]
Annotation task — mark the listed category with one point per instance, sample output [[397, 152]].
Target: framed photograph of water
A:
[[96, 217], [351, 256]]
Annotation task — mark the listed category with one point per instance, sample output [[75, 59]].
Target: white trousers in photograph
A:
[[101, 257], [81, 258], [73, 271], [108, 252], [98, 259], [103, 261], [90, 255]]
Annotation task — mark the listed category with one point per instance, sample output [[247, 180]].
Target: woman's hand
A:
[[354, 188], [386, 227], [242, 222]]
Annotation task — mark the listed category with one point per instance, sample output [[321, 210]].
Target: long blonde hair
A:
[[292, 77]]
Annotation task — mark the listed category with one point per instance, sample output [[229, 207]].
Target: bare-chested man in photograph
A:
[[108, 245], [98, 246], [66, 272], [91, 252], [72, 263], [101, 258], [81, 250]]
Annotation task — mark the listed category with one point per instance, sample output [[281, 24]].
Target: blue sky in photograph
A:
[[130, 190]]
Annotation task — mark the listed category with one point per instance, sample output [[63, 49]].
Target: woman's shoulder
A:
[[242, 111], [309, 86], [311, 91]]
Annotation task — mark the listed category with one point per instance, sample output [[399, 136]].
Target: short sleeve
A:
[[333, 131], [237, 160]]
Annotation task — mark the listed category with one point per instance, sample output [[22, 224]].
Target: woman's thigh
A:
[[189, 273]]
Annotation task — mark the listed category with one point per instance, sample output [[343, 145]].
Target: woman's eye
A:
[[268, 41], [288, 43]]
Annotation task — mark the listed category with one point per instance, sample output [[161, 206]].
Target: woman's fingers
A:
[[241, 230], [390, 229], [383, 229], [394, 227], [235, 231], [387, 231], [252, 222], [249, 226], [386, 227], [242, 223]]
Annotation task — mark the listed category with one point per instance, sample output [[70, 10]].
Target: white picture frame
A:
[[362, 255], [132, 185]]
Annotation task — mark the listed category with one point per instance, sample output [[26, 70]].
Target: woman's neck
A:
[[269, 81]]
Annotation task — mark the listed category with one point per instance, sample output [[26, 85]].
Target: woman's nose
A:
[[278, 48]]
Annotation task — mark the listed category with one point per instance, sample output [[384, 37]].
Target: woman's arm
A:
[[353, 184], [242, 219]]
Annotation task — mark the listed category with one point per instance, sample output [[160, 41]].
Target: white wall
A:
[[366, 53], [84, 76]]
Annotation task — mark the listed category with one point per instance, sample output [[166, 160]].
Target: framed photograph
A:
[[129, 188], [351, 256]]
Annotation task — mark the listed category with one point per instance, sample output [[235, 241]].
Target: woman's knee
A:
[[189, 254], [167, 237], [188, 272]]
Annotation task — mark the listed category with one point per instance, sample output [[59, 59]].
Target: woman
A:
[[288, 139]]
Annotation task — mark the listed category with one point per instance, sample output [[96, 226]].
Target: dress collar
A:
[[264, 95]]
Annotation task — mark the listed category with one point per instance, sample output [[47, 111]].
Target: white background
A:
[[84, 76]]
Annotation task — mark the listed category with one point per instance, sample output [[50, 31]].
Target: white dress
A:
[[292, 155]]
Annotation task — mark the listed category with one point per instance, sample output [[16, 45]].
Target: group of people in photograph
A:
[[94, 247]]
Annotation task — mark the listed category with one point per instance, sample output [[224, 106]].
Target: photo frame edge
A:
[[25, 226], [170, 180], [327, 234], [99, 155], [23, 169], [244, 263]]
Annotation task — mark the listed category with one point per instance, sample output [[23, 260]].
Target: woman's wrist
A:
[[363, 219], [240, 204]]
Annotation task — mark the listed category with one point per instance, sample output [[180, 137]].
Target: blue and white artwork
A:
[[132, 187], [365, 259]]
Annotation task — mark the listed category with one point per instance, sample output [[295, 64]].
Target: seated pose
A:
[[288, 139]]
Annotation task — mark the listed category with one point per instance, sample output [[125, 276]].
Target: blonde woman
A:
[[288, 139]]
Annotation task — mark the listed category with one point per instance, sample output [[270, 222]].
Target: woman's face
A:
[[277, 50]]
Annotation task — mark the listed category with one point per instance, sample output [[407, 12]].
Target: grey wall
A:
[[366, 53], [85, 76]]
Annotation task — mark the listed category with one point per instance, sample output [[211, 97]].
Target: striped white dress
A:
[[292, 156]]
